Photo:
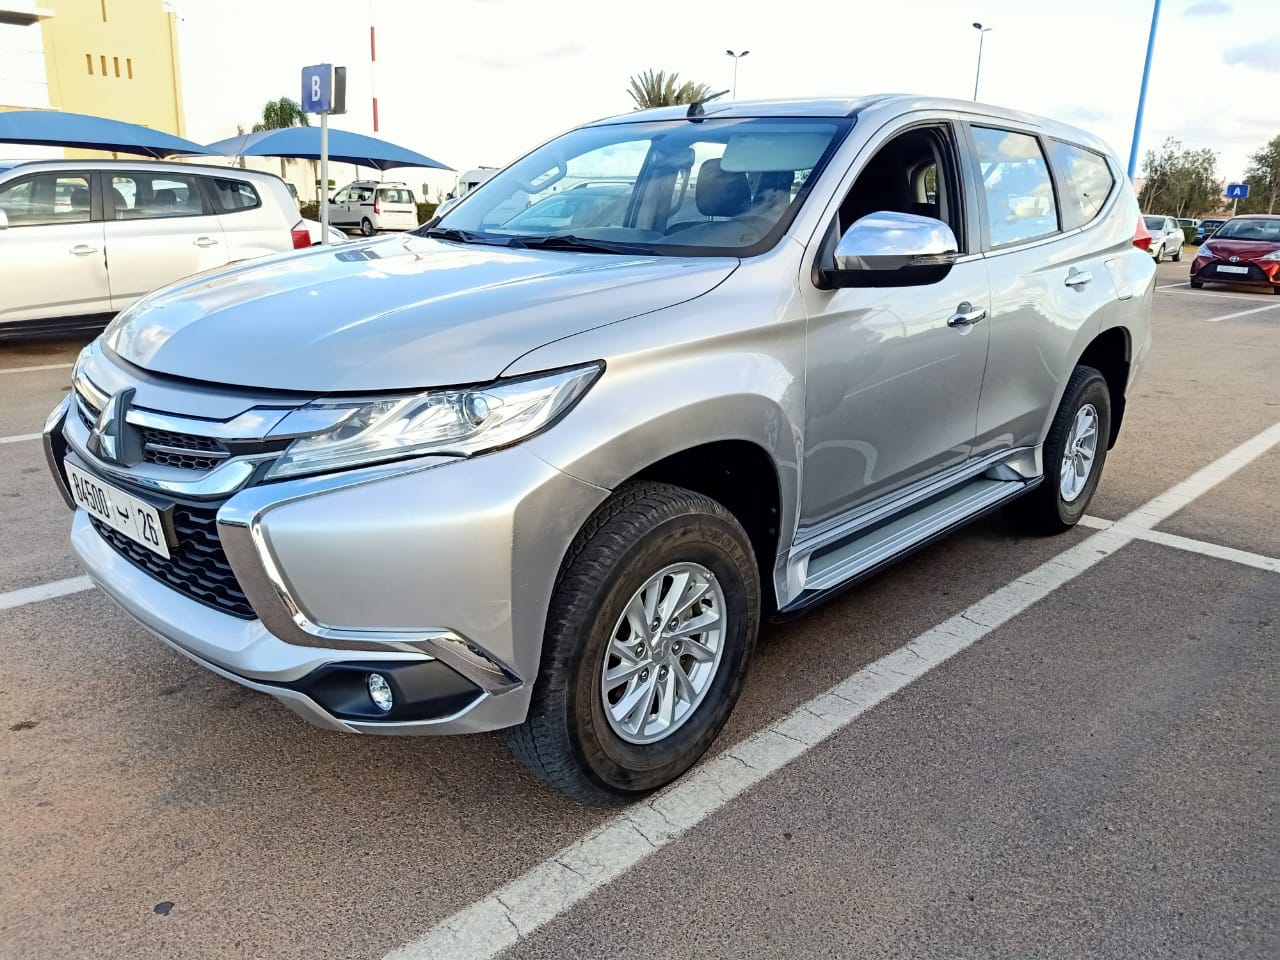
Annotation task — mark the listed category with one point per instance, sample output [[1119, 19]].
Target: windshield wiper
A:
[[568, 241], [458, 236]]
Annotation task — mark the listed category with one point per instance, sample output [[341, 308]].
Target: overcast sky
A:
[[478, 82]]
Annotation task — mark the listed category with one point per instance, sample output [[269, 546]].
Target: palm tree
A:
[[661, 89], [279, 115]]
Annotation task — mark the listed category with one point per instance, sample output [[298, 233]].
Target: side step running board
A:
[[842, 564]]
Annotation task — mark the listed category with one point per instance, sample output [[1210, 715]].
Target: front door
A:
[[52, 259], [893, 380], [160, 228]]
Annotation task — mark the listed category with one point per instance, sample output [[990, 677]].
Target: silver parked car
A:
[[84, 237], [485, 477], [1167, 238]]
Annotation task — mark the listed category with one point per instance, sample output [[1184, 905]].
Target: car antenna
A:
[[695, 108]]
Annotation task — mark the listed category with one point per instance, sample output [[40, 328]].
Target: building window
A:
[[88, 62], [128, 62], [115, 61], [104, 11], [104, 64]]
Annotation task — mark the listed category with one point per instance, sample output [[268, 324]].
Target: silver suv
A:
[[489, 476]]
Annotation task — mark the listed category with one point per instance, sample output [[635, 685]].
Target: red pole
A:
[[373, 58]]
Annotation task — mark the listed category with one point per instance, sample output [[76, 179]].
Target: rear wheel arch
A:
[[1110, 353]]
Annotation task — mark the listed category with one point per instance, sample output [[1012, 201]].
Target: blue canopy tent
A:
[[53, 128], [303, 143]]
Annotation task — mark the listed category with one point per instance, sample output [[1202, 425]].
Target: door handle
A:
[[205, 242], [966, 315], [1077, 278], [83, 250]]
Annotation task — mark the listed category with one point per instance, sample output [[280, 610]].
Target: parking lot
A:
[[1002, 746]]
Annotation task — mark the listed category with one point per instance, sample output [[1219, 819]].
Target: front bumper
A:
[[439, 570], [1260, 272]]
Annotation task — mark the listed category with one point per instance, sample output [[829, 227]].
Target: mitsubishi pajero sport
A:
[[488, 475]]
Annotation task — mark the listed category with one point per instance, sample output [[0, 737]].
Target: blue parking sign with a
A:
[[1237, 191], [317, 88]]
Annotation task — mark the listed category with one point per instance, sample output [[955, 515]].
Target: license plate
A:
[[1223, 268], [136, 519]]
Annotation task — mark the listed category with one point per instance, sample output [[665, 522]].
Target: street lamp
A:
[[981, 34], [736, 58]]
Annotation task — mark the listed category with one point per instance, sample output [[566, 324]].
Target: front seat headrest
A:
[[721, 194]]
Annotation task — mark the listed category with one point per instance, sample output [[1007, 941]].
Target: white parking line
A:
[[1173, 288], [43, 366], [1215, 550], [1242, 313], [519, 908], [18, 438], [45, 591]]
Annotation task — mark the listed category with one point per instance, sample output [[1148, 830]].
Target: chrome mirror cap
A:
[[895, 241]]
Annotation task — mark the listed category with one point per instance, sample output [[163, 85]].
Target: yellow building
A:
[[107, 58]]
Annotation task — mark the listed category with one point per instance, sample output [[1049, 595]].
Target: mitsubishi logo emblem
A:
[[107, 439]]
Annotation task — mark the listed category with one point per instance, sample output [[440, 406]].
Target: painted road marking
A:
[[519, 908], [45, 591], [1215, 550], [1174, 288], [18, 438], [43, 366], [1241, 313]]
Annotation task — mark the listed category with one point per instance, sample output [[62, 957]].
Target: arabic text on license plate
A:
[[1223, 268], [136, 519]]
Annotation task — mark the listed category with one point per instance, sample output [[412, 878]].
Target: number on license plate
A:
[[135, 518]]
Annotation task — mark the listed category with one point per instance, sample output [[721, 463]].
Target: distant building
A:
[[107, 58]]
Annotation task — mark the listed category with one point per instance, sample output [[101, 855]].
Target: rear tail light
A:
[[300, 235], [377, 205], [1142, 238]]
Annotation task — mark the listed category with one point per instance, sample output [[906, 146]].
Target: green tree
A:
[[662, 89], [1263, 178], [1180, 182], [279, 115]]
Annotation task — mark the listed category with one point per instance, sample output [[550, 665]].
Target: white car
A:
[[371, 207], [1166, 237], [314, 227], [87, 237]]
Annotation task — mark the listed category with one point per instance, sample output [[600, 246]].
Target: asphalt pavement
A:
[[1091, 771]]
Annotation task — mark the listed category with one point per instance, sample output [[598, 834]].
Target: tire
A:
[[1177, 257], [1046, 509], [1197, 284], [1159, 254], [366, 228], [569, 738]]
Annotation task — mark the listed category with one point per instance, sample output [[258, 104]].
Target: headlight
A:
[[1204, 251], [1273, 255], [454, 422]]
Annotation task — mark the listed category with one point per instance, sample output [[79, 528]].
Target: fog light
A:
[[380, 691]]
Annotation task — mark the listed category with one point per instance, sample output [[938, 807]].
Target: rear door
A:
[[1050, 286], [52, 260], [160, 228], [396, 208]]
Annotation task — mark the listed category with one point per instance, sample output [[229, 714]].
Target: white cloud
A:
[[1207, 8], [1263, 55]]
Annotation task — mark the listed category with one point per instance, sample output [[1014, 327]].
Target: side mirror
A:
[[889, 249], [4, 220]]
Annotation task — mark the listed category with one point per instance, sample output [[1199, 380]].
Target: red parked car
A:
[[1244, 250]]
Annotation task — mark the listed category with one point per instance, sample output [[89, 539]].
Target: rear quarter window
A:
[[233, 196], [1085, 182]]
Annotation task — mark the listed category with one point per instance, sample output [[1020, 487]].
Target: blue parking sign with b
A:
[[1237, 191], [317, 88]]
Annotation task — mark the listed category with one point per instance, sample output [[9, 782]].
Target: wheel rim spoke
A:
[[652, 679]]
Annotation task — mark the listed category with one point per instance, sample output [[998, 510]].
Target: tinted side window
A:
[[1017, 186], [150, 196], [45, 198], [231, 196], [1085, 180]]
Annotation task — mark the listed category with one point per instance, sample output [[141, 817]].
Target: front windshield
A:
[[1268, 231], [674, 187]]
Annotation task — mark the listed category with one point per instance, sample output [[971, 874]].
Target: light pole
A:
[[982, 32], [736, 58], [1142, 93]]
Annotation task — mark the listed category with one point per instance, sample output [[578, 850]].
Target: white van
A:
[[372, 206]]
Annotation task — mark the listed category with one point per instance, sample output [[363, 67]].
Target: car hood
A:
[[391, 314], [1244, 249]]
